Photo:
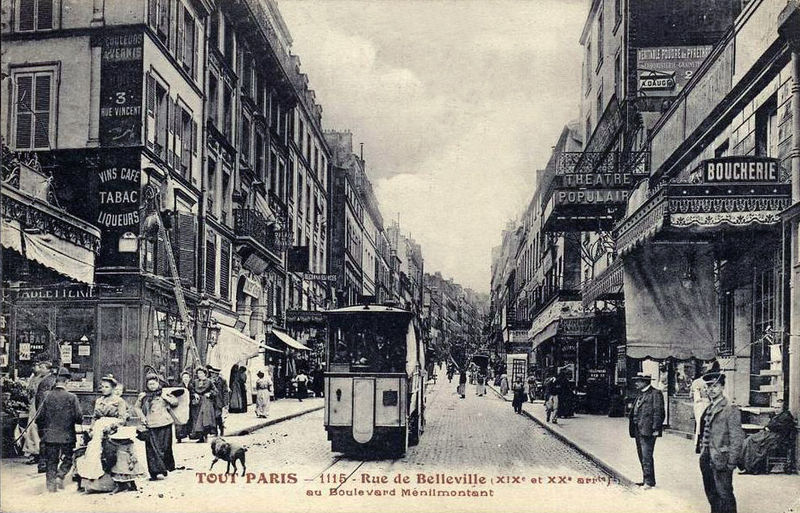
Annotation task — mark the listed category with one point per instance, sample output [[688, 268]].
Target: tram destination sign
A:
[[741, 169]]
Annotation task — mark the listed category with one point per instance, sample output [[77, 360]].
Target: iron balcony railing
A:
[[251, 224]]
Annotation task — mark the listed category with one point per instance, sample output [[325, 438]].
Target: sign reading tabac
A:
[[664, 71], [741, 169], [121, 83]]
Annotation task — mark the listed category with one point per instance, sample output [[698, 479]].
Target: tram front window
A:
[[369, 345]]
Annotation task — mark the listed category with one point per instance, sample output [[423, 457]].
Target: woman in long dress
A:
[[153, 407], [110, 463], [238, 402], [203, 395], [184, 430], [263, 391]]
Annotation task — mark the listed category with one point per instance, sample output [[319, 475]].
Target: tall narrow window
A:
[[767, 128], [213, 31], [227, 112], [600, 29], [211, 263], [213, 100], [587, 68], [618, 76], [599, 112], [32, 109], [245, 139]]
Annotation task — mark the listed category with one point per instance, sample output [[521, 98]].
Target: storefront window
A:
[[75, 330], [33, 338]]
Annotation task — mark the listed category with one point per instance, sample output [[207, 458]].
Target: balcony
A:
[[257, 234], [41, 231]]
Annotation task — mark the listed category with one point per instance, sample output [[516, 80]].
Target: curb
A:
[[266, 423], [619, 476]]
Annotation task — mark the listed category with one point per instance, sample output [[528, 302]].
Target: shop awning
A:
[[702, 209], [548, 332], [48, 235], [666, 315], [232, 347], [270, 348], [289, 341]]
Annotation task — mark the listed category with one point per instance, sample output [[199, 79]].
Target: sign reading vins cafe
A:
[[741, 169], [121, 84], [117, 199]]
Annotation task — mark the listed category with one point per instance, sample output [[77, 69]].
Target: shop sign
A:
[[598, 180], [251, 287], [591, 196], [305, 316], [121, 84], [741, 169], [577, 326], [118, 199], [319, 277], [55, 293], [596, 375], [518, 336], [665, 71]]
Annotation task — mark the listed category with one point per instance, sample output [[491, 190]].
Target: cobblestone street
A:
[[476, 435]]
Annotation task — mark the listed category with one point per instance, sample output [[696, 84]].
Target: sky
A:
[[457, 102]]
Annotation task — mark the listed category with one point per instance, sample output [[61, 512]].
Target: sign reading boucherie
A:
[[741, 169]]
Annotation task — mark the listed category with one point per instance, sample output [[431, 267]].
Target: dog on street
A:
[[229, 452]]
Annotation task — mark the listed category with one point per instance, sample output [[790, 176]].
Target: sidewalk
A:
[[237, 424], [605, 441]]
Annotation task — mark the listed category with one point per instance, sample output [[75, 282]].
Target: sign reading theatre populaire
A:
[[741, 169]]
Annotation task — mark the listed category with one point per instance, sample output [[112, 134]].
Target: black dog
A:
[[229, 452]]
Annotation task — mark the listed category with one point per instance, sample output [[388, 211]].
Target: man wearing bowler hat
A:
[[719, 445], [645, 425], [221, 399], [60, 411]]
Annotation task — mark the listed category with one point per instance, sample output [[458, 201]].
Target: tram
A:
[[375, 380]]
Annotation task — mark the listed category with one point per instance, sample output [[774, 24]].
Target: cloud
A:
[[457, 102]]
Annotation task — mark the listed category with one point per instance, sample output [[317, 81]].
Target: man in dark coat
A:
[[45, 386], [59, 414], [645, 425], [221, 399], [719, 445]]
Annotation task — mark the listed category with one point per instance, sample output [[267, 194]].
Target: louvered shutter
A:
[[44, 15], [195, 49], [211, 265], [162, 266], [26, 14], [150, 125], [24, 121], [179, 33], [225, 269], [185, 250], [153, 13], [194, 136], [41, 129]]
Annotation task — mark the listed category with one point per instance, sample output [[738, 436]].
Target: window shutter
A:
[[225, 269], [194, 136], [152, 11], [150, 111], [41, 129], [23, 105], [44, 18], [179, 33], [195, 49], [26, 14], [186, 237], [162, 267], [211, 265]]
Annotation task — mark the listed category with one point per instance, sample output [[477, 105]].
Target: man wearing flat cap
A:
[[719, 445], [221, 399], [645, 425]]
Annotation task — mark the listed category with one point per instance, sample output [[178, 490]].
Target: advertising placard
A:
[[664, 71], [121, 84]]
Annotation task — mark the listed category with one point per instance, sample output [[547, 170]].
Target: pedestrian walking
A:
[[153, 407], [238, 402], [700, 399], [204, 395], [263, 391], [503, 384], [221, 399], [47, 383], [302, 385], [450, 372], [30, 447], [551, 401], [60, 412], [462, 384], [318, 381], [183, 430], [531, 388], [480, 388], [719, 446], [518, 389], [645, 425]]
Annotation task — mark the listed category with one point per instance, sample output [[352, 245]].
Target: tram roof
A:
[[366, 309]]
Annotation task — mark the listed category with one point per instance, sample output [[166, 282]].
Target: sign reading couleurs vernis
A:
[[741, 169], [121, 83]]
